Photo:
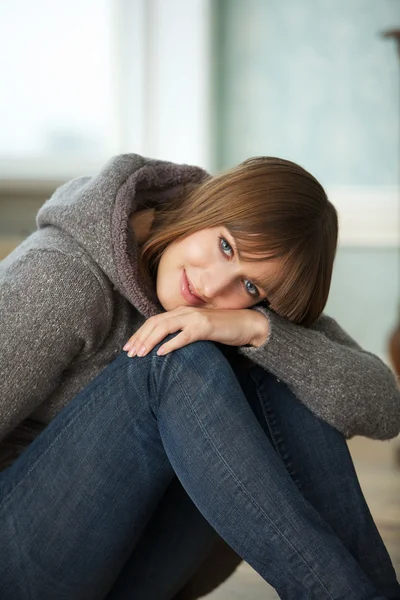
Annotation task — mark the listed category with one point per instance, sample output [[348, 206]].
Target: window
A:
[[84, 79], [57, 102]]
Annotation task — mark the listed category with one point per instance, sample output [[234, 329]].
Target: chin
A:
[[166, 302]]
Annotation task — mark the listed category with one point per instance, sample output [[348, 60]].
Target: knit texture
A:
[[70, 297]]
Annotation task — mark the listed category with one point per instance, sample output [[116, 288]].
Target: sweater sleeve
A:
[[342, 384], [51, 309]]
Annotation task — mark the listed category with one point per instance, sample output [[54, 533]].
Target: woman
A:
[[248, 405]]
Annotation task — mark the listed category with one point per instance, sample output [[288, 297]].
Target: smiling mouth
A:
[[186, 292]]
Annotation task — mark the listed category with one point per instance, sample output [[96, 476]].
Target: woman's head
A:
[[277, 227]]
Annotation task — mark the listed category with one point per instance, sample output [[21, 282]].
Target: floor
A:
[[379, 475]]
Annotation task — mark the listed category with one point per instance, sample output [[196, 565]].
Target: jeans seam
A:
[[255, 504], [27, 587], [278, 443]]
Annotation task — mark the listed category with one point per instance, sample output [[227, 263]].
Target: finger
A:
[[129, 343], [140, 339], [132, 344], [136, 340], [149, 339], [194, 326], [179, 341]]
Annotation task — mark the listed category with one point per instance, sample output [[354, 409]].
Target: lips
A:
[[186, 293]]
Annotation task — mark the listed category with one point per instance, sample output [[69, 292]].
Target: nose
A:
[[215, 282]]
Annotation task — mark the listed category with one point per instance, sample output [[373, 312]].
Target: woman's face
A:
[[207, 264]]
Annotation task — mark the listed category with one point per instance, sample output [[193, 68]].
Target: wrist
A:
[[262, 329]]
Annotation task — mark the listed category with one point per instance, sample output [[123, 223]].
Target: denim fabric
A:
[[75, 505]]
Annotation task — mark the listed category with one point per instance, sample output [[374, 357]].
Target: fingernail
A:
[[126, 347], [160, 351], [141, 351], [132, 351]]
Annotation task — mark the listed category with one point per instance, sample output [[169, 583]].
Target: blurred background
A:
[[212, 82]]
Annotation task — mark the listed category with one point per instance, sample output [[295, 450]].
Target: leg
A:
[[318, 459], [170, 550], [143, 411], [245, 492], [316, 456], [66, 504], [319, 462]]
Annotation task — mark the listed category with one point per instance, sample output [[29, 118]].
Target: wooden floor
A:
[[379, 475]]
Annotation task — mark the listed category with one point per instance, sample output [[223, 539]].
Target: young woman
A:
[[227, 413]]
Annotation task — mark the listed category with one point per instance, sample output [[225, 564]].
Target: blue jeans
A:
[[75, 505]]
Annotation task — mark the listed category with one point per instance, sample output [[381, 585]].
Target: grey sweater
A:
[[70, 297]]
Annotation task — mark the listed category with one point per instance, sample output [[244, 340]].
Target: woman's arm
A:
[[332, 375], [51, 308]]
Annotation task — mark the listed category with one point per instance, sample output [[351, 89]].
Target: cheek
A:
[[234, 300], [196, 252], [164, 272], [244, 304], [167, 283]]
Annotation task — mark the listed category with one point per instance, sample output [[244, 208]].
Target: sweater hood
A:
[[95, 212]]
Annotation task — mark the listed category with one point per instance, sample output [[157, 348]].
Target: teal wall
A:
[[314, 81], [364, 295]]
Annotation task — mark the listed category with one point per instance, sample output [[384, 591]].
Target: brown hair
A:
[[274, 209]]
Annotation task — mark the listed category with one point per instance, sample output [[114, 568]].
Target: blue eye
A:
[[227, 249], [225, 246], [251, 288]]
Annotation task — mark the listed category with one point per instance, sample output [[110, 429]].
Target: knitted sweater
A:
[[70, 297]]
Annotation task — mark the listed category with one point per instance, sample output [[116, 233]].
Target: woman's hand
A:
[[236, 327]]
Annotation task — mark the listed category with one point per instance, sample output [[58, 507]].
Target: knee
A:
[[202, 358], [201, 350]]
